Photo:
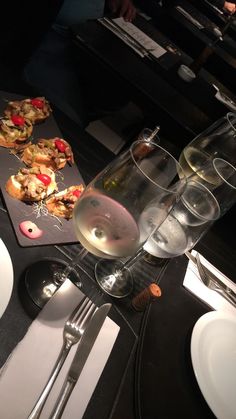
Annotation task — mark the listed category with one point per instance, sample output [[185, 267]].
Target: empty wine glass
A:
[[203, 199], [107, 216], [187, 222]]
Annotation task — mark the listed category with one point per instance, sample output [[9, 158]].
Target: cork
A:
[[151, 293]]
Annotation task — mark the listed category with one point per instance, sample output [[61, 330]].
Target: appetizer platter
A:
[[39, 180]]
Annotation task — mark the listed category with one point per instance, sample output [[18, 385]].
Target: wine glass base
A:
[[42, 281], [114, 280]]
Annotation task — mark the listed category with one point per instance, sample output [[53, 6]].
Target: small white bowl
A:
[[186, 73]]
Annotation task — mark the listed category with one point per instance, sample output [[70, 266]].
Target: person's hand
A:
[[123, 8], [230, 7]]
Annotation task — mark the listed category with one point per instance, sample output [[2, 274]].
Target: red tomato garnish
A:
[[60, 145], [45, 179], [38, 103], [77, 193], [18, 120]]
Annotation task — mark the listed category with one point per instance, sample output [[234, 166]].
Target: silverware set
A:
[[211, 281], [82, 327]]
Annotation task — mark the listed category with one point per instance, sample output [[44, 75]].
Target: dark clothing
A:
[[52, 68], [51, 71], [57, 71]]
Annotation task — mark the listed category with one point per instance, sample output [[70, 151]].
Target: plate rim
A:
[[8, 292], [198, 328]]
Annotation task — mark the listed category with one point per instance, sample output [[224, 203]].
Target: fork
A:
[[211, 284], [72, 332]]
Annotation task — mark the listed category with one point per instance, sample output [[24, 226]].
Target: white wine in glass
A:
[[192, 161], [104, 226], [151, 183], [217, 141]]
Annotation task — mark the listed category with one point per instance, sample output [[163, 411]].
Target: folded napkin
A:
[[195, 285], [141, 37], [27, 370], [134, 37]]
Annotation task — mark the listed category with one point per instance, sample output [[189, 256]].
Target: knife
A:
[[213, 277], [189, 17], [85, 345]]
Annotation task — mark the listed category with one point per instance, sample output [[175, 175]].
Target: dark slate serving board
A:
[[55, 230]]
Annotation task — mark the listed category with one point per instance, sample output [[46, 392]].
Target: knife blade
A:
[[213, 277], [84, 348]]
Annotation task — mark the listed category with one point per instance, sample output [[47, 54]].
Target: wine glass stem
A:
[[138, 255], [75, 261]]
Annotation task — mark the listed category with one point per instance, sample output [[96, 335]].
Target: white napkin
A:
[[212, 298], [148, 43], [27, 370], [133, 32]]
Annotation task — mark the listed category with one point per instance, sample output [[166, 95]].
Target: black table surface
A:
[[150, 363], [180, 107]]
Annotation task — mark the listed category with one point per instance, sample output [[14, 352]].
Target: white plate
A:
[[6, 277], [213, 352]]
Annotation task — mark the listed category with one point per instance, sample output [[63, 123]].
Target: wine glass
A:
[[203, 199], [189, 219], [201, 204], [187, 222], [218, 140], [147, 179], [209, 194], [219, 176], [107, 215]]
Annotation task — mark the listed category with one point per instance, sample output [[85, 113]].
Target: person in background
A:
[[228, 6], [53, 71]]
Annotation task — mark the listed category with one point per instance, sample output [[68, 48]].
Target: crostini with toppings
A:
[[32, 185], [36, 110], [14, 131], [52, 153], [62, 203]]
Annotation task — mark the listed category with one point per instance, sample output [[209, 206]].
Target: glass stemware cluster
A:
[[209, 164], [108, 216], [147, 201], [114, 216]]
